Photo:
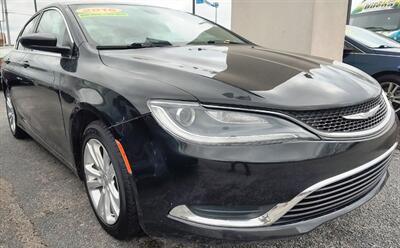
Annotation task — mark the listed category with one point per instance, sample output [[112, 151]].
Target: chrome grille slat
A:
[[342, 182], [355, 184], [333, 206], [304, 203], [346, 194], [338, 194], [332, 121], [302, 217]]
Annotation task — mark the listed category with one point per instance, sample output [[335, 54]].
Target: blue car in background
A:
[[395, 35], [376, 55]]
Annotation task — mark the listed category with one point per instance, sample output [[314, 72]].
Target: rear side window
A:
[[29, 29], [52, 22]]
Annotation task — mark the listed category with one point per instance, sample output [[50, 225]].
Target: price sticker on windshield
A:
[[94, 12]]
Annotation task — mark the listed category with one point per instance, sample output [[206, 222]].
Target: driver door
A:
[[43, 69]]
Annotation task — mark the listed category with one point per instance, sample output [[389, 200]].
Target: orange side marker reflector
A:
[[124, 157]]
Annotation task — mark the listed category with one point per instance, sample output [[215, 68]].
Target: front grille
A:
[[331, 120], [336, 195]]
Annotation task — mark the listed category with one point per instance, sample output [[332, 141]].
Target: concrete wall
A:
[[313, 27]]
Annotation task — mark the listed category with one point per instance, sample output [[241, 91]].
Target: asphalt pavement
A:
[[43, 204]]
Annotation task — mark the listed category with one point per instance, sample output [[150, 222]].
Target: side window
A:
[[52, 22], [29, 29]]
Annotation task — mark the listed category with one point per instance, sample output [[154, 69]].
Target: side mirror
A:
[[44, 42]]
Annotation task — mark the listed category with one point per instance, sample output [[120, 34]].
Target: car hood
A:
[[249, 76]]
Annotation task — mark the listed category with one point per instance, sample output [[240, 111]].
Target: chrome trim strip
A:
[[355, 47], [182, 213], [65, 21], [390, 115], [42, 52]]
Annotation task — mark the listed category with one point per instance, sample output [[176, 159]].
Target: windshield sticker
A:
[[94, 12], [376, 5]]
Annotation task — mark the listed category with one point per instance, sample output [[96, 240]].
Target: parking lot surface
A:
[[42, 204]]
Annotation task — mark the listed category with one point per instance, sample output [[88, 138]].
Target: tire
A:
[[391, 83], [97, 139], [12, 118]]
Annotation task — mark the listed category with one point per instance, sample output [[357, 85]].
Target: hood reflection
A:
[[249, 75]]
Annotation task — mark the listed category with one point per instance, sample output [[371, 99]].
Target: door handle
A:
[[25, 64]]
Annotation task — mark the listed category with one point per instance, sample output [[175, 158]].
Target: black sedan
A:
[[180, 127]]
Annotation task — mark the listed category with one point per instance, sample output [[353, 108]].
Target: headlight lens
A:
[[193, 123]]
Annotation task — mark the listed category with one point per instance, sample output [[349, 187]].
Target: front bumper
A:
[[329, 195], [259, 233], [169, 173]]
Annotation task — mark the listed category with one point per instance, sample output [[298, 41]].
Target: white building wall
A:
[[314, 27]]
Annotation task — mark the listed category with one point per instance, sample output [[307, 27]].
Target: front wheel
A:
[[108, 183], [391, 85], [16, 131]]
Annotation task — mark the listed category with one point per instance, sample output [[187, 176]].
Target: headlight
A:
[[192, 123]]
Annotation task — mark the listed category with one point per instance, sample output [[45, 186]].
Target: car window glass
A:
[[52, 22], [29, 29], [370, 39]]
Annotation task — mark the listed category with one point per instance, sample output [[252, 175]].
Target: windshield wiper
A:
[[385, 46], [150, 42], [137, 45], [378, 28], [114, 47], [223, 42], [216, 42]]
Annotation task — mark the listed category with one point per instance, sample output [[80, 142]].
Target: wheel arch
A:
[[86, 113], [79, 120], [384, 73]]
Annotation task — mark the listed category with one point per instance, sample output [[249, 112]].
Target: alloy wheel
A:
[[393, 93], [101, 182], [10, 112]]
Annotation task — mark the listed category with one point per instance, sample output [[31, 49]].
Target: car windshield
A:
[[377, 20], [370, 39], [137, 26]]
